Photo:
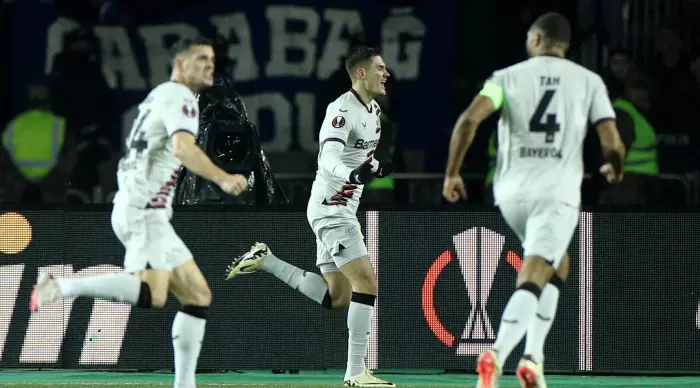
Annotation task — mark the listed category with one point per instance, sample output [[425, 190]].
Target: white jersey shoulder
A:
[[147, 173], [548, 104]]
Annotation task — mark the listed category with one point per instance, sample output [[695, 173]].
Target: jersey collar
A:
[[369, 107]]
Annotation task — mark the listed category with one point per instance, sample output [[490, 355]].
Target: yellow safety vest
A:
[[34, 140], [386, 183], [493, 155], [641, 157]]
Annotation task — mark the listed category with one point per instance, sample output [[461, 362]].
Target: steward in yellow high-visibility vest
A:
[[34, 140], [641, 155], [641, 183]]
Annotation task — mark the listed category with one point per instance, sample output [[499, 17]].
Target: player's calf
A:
[[121, 287], [189, 285]]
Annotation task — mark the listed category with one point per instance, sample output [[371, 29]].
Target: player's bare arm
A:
[[462, 137], [195, 160], [613, 150]]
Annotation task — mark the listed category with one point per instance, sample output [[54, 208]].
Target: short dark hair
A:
[[357, 57], [554, 27], [185, 44]]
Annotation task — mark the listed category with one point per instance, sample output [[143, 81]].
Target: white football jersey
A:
[[147, 174], [548, 103], [357, 126]]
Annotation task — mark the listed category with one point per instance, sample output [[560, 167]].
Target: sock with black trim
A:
[[121, 287], [519, 311], [539, 327], [188, 333], [359, 324]]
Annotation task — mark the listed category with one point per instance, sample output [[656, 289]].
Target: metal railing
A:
[[427, 187], [421, 188]]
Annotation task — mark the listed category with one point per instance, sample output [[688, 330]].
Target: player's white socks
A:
[[310, 284], [188, 333], [121, 287], [359, 324], [518, 314], [539, 327]]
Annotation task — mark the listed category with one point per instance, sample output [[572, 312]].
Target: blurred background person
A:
[[640, 185], [40, 149]]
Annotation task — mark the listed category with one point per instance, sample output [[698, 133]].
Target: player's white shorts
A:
[[339, 238], [545, 228], [149, 239]]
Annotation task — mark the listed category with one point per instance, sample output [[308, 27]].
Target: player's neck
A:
[[364, 95], [556, 54], [181, 80]]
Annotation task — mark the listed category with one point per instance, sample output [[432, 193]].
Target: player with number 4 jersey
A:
[[157, 261], [547, 103]]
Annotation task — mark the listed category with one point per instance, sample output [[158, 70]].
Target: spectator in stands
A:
[[672, 67], [619, 66], [640, 185], [40, 151], [82, 97]]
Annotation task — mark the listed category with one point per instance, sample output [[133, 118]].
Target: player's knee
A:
[[158, 293], [198, 294], [563, 271], [342, 300], [535, 270], [159, 298], [366, 284], [205, 296]]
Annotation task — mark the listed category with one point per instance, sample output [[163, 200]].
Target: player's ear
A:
[[360, 72]]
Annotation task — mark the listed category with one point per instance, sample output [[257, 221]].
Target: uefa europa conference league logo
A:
[[479, 252]]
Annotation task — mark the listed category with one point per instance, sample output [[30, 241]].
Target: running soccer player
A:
[[157, 261], [547, 103], [349, 135]]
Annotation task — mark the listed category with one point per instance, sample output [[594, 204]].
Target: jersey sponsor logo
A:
[[540, 153], [338, 122], [478, 252], [363, 144], [189, 110]]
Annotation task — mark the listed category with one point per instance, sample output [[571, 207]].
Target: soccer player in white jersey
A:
[[546, 105], [157, 261], [349, 134]]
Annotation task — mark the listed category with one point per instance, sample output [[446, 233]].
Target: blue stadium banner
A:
[[283, 51]]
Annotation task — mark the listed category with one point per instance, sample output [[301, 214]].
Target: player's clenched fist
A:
[[453, 189], [233, 184], [609, 173]]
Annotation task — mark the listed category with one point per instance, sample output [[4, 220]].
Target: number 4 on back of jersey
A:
[[137, 136], [549, 127]]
